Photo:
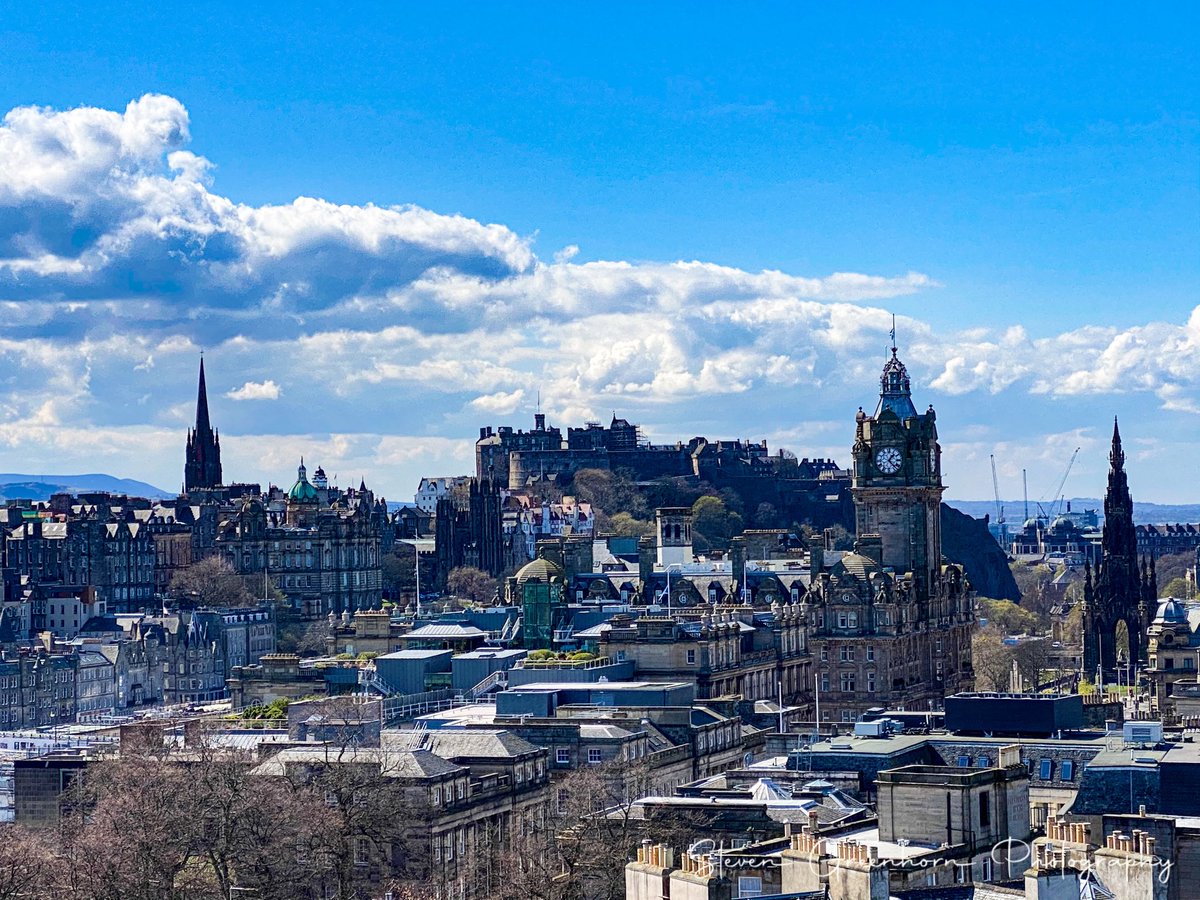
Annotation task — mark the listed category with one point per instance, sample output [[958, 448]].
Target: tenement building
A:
[[891, 622], [326, 556]]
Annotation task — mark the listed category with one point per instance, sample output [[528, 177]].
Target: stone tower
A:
[[891, 624], [673, 529], [202, 465], [1123, 591], [897, 481]]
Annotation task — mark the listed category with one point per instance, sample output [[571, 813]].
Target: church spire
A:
[[202, 465], [202, 421]]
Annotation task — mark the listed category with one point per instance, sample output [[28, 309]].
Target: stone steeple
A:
[[202, 466], [1119, 594]]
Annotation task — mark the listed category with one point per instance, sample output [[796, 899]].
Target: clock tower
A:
[[897, 482]]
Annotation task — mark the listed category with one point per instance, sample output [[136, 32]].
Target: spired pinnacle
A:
[[202, 462], [1116, 456]]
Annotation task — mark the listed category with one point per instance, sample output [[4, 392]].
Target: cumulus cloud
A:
[[398, 329], [255, 390]]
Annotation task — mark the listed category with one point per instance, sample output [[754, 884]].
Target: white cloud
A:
[[398, 329], [255, 390], [500, 403]]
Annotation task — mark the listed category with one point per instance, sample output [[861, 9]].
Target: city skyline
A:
[[698, 252]]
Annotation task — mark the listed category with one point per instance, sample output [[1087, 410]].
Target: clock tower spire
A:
[[897, 480]]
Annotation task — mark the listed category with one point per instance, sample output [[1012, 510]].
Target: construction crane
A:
[[1052, 509], [1058, 492], [996, 491]]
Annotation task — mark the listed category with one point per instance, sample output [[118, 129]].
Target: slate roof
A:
[[446, 631], [452, 743], [393, 762]]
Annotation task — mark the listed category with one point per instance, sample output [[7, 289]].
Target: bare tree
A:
[[212, 582], [25, 860], [472, 584], [991, 659]]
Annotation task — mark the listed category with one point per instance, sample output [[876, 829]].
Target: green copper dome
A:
[[302, 491]]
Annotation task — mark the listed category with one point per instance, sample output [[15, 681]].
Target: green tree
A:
[[713, 524], [1008, 617], [1177, 587], [625, 525], [1173, 565]]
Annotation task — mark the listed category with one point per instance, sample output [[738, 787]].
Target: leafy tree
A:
[[1034, 584], [472, 584], [1072, 627], [1008, 617], [625, 525], [713, 524], [1177, 587], [1173, 565]]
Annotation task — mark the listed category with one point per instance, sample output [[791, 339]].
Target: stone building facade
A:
[[325, 557], [890, 623]]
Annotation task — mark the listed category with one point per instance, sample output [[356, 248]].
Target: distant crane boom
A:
[[996, 491], [1057, 502]]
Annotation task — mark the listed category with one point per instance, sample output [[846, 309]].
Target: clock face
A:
[[888, 459]]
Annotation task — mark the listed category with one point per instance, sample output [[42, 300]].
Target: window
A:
[[847, 682], [843, 620], [987, 868], [1169, 662], [1066, 769], [562, 801], [825, 682], [852, 619], [749, 886], [462, 789], [982, 762], [593, 755], [871, 682], [1046, 771], [437, 796], [362, 852], [824, 654], [870, 653], [847, 654], [562, 756], [964, 761], [691, 657]]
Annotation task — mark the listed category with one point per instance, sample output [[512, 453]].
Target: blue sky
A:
[[1018, 185]]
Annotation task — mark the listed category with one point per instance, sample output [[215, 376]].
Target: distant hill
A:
[[966, 541], [1143, 513], [15, 486]]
